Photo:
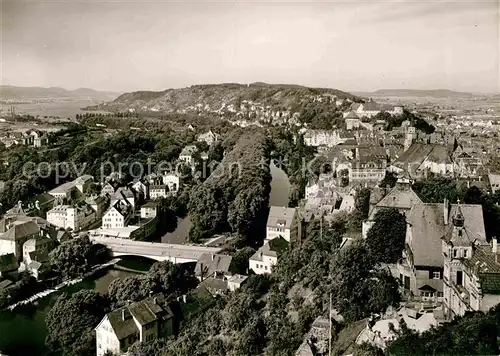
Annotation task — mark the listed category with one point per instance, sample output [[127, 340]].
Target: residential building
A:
[[214, 265], [236, 281], [209, 137], [187, 154], [421, 268], [124, 195], [98, 203], [267, 256], [74, 217], [64, 191], [158, 191], [173, 182], [117, 216], [317, 138], [83, 182], [283, 222], [420, 159], [14, 233], [471, 270], [371, 108], [401, 197], [142, 321], [149, 210], [108, 188], [352, 120], [369, 166], [494, 182]]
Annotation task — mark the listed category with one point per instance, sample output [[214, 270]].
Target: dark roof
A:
[[214, 284], [8, 262], [400, 197], [44, 198], [352, 115], [416, 153], [483, 264], [19, 230], [427, 224], [213, 263], [145, 311]]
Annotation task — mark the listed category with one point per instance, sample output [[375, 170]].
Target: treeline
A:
[[394, 121], [235, 198]]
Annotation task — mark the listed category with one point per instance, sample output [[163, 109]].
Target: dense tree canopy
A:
[[386, 237], [71, 322], [236, 196]]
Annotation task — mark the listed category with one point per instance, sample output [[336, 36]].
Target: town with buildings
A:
[[164, 217]]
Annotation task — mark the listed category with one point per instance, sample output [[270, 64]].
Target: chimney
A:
[[445, 211], [494, 248], [184, 298], [155, 300], [213, 256], [124, 316]]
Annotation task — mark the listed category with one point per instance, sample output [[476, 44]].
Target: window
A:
[[265, 268], [459, 278], [440, 294], [455, 252], [465, 253], [436, 275]]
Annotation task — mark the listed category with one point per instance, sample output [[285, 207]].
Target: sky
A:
[[154, 45]]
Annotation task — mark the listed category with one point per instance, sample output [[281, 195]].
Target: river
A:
[[23, 331], [280, 188]]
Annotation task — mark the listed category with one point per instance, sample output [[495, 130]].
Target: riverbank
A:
[[23, 329]]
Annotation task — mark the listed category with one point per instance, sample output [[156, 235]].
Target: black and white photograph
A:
[[249, 177]]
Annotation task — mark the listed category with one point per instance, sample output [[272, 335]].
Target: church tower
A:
[[410, 137]]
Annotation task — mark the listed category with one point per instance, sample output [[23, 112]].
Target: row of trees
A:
[[235, 197]]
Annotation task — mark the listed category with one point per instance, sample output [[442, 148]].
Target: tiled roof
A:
[[415, 154], [427, 224], [272, 248], [352, 115], [400, 197], [484, 264], [144, 311], [213, 263], [63, 188], [21, 229], [280, 213]]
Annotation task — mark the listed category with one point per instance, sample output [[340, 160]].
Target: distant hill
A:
[[434, 93], [15, 92], [226, 97]]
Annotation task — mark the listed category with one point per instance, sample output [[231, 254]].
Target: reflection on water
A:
[[280, 187], [102, 283]]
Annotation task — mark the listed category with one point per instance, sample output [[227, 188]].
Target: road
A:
[[159, 251]]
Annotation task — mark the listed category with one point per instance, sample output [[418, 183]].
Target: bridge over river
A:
[[175, 253]]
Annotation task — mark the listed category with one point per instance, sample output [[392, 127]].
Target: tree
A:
[[76, 257], [361, 208], [389, 180], [386, 237], [240, 259], [163, 277], [71, 322]]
